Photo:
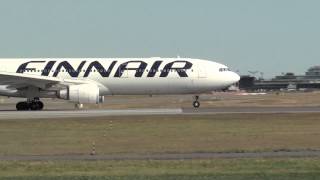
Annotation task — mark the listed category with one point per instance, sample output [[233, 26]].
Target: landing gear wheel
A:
[[41, 105], [196, 104], [34, 105], [22, 106]]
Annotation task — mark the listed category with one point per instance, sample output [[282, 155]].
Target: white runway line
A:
[[251, 110], [51, 114], [165, 156], [84, 113]]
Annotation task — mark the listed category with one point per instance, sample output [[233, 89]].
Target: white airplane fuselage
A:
[[112, 76]]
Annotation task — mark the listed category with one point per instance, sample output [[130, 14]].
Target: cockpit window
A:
[[224, 69]]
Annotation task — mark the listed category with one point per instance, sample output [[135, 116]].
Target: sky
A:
[[270, 36]]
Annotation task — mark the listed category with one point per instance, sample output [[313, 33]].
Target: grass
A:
[[306, 168], [159, 134], [212, 100]]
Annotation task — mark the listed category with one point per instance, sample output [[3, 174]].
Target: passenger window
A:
[[224, 69]]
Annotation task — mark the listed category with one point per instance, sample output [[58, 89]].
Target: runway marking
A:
[[53, 114], [84, 113], [174, 156], [251, 110]]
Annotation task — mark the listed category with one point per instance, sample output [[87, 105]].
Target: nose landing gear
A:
[[196, 103], [33, 105]]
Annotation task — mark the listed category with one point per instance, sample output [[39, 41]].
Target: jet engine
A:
[[83, 93]]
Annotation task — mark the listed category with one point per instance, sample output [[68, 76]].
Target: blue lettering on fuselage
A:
[[139, 70]]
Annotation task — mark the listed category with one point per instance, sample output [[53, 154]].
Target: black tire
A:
[[34, 106], [196, 104], [19, 106], [41, 105], [22, 106], [25, 106]]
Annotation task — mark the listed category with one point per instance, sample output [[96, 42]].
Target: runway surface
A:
[[174, 156], [50, 114]]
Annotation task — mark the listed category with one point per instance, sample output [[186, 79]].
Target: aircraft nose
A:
[[235, 77], [232, 78]]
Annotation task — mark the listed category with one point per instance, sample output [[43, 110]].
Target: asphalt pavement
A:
[[52, 114]]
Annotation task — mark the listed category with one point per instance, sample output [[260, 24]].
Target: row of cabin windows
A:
[[224, 69], [34, 70]]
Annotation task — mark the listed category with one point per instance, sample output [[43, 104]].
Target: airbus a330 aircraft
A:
[[89, 80]]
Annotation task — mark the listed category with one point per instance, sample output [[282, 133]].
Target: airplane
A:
[[88, 80]]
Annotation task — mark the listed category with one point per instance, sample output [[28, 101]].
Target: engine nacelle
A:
[[83, 93]]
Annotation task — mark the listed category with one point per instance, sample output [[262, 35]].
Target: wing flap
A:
[[19, 80]]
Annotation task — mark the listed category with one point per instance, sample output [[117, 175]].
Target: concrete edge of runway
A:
[[55, 114], [166, 156]]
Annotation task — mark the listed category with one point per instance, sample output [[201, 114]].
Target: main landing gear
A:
[[196, 103], [33, 105]]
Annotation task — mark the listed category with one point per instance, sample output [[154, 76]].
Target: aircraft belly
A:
[[127, 86]]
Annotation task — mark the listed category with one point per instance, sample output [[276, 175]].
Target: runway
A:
[[164, 156], [51, 114]]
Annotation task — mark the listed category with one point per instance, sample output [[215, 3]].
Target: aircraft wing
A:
[[18, 80]]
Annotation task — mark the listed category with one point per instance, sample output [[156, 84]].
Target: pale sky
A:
[[271, 36]]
